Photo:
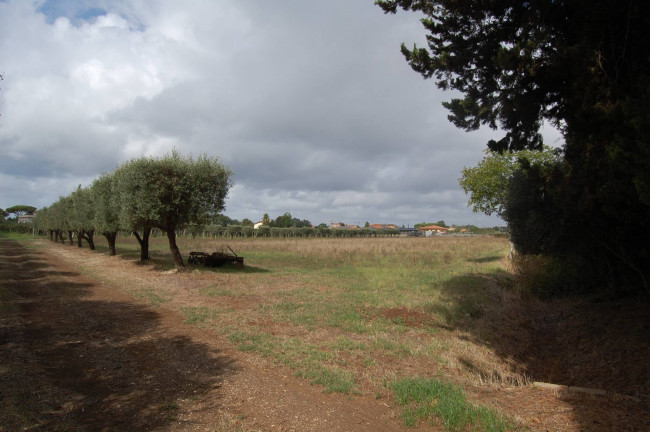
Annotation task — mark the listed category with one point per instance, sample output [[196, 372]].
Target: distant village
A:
[[23, 216], [422, 230]]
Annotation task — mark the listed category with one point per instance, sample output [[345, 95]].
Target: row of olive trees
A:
[[167, 193]]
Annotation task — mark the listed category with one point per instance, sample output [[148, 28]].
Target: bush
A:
[[553, 276], [13, 226], [234, 230], [248, 231], [585, 249]]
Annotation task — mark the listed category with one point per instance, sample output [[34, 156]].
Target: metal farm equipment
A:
[[215, 259]]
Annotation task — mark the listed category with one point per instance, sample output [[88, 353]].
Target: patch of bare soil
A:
[[411, 317], [76, 354]]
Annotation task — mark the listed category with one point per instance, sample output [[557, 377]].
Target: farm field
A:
[[311, 334]]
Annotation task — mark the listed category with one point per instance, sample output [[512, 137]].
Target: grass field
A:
[[435, 326], [354, 315]]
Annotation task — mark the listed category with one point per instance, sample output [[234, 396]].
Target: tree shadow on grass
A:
[[486, 259], [582, 342], [162, 260], [72, 363]]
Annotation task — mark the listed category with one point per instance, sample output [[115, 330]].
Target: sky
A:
[[310, 104]]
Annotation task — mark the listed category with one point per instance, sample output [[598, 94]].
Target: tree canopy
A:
[[106, 216], [518, 64], [487, 183], [171, 192], [82, 215], [19, 210], [581, 66]]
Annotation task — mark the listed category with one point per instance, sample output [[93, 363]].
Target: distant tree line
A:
[[9, 218], [247, 231], [168, 193]]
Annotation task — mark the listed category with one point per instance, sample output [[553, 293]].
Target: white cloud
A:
[[311, 104]]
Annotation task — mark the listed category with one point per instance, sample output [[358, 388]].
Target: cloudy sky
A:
[[310, 103]]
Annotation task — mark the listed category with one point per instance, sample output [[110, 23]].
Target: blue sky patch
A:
[[77, 11]]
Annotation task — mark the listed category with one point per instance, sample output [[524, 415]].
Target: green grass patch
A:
[[197, 314], [12, 235], [391, 347], [259, 342], [333, 312], [300, 355], [441, 402], [153, 297], [307, 360], [344, 343], [296, 313], [335, 380]]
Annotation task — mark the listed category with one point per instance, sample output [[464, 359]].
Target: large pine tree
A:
[[584, 67]]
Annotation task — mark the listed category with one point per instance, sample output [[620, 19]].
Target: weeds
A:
[[151, 295], [307, 360]]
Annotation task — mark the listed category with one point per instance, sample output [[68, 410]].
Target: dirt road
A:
[[77, 355]]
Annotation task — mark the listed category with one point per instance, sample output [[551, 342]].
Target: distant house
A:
[[431, 230], [27, 218], [257, 225], [337, 225], [412, 232], [383, 226]]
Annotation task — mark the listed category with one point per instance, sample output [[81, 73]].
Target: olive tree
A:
[[60, 219], [136, 211], [106, 215], [82, 216], [170, 193]]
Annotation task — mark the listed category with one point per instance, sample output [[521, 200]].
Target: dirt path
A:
[[82, 356], [77, 355]]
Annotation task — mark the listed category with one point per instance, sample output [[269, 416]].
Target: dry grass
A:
[[349, 315], [408, 304], [352, 315]]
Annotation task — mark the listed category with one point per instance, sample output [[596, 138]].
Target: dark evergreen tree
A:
[[582, 66]]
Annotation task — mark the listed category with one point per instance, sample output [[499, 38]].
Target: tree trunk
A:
[[69, 237], [178, 258], [89, 236], [110, 238], [144, 243], [79, 238]]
